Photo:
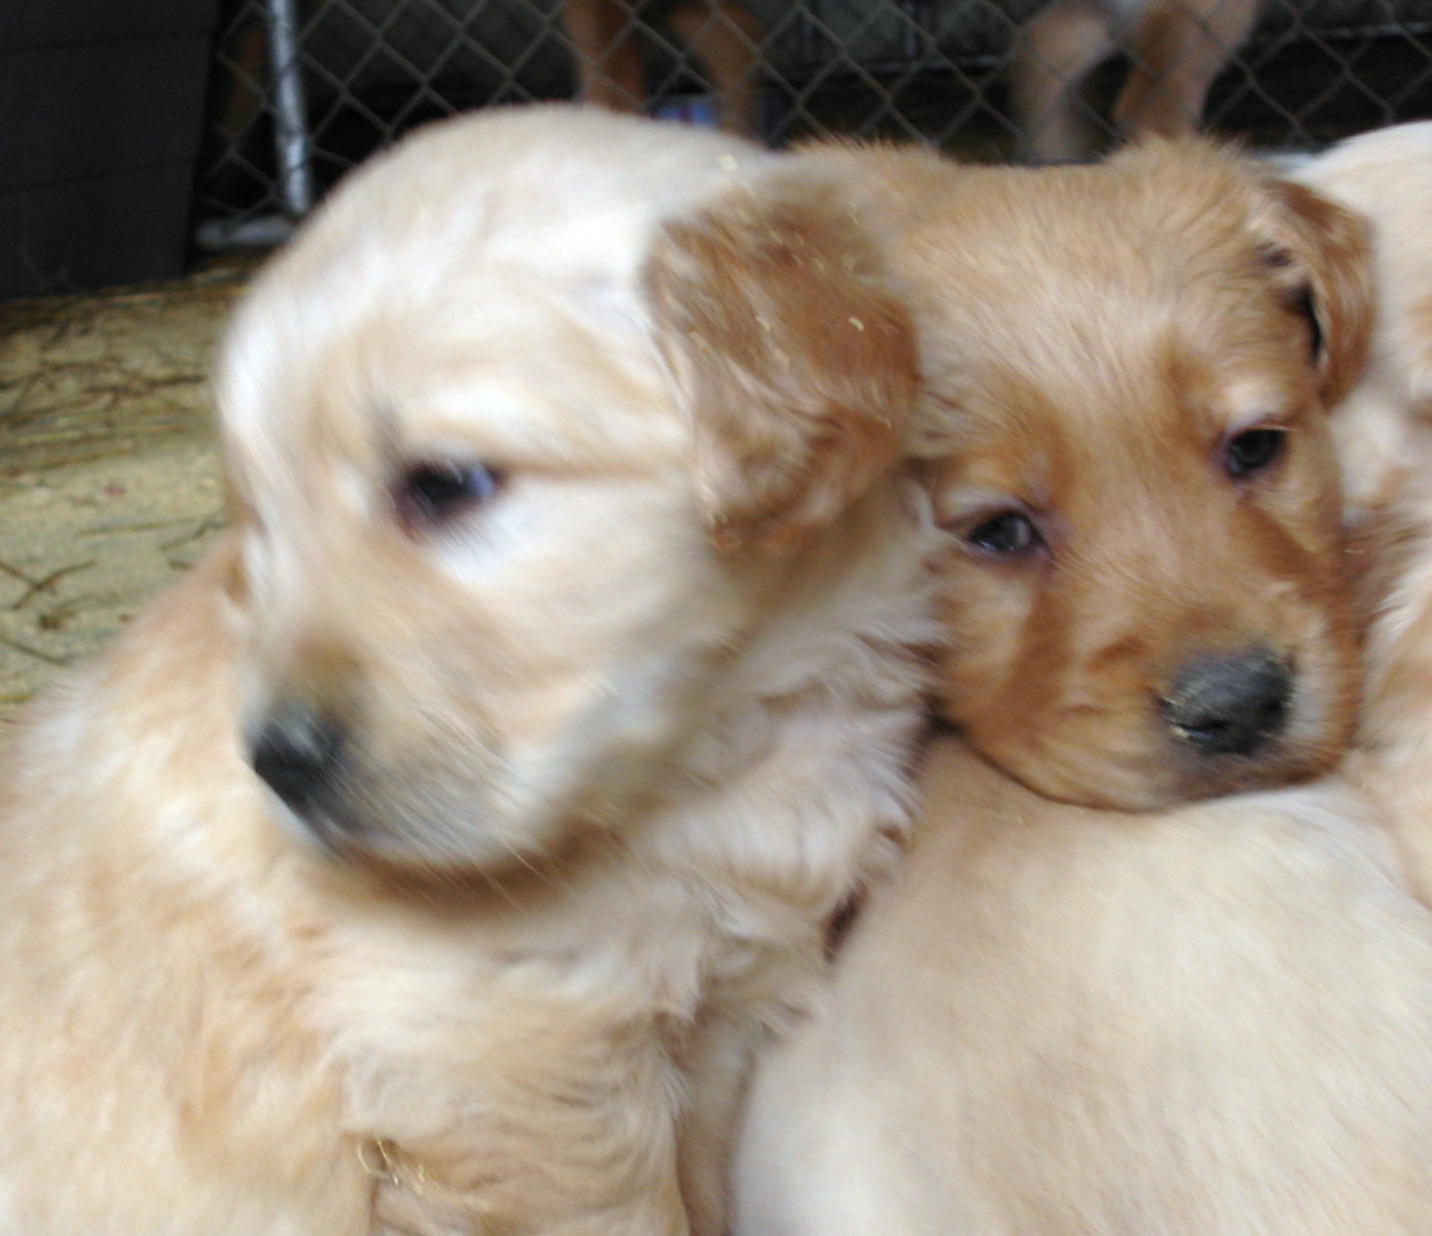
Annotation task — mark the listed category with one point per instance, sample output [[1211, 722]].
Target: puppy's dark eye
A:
[[427, 495], [1008, 534], [1252, 450], [1275, 256]]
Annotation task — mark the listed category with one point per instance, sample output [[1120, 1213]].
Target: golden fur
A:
[[611, 742], [1217, 1018], [1095, 338]]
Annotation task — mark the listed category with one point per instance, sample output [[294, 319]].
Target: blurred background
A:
[[137, 131], [151, 150]]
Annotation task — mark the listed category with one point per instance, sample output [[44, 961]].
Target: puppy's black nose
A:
[[1230, 703], [298, 753]]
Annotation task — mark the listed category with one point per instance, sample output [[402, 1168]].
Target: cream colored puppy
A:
[[1385, 443], [427, 860], [1060, 1021]]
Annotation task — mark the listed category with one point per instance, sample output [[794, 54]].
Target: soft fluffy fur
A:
[[1060, 1020], [614, 741], [1385, 444]]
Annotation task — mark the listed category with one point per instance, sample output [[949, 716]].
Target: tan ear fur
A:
[[1417, 350], [1331, 264], [792, 351]]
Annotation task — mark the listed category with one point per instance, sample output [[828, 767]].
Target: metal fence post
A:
[[292, 142]]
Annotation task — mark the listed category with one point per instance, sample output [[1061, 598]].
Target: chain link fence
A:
[[304, 89]]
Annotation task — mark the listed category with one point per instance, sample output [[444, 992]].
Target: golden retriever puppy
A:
[[1061, 1020], [1129, 371], [427, 860]]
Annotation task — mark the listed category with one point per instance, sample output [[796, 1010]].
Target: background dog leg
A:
[[609, 68], [726, 38], [1179, 47], [1059, 48]]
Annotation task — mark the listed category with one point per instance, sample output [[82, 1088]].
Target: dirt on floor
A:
[[109, 484]]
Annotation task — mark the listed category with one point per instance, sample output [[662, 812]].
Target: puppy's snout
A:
[[1230, 703], [298, 753]]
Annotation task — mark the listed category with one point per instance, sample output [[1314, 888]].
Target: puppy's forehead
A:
[[481, 262], [1112, 307], [1085, 252], [575, 192]]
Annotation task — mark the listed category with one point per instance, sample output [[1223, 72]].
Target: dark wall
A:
[[101, 112]]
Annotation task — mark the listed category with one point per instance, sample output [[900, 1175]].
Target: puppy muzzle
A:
[[1229, 703], [300, 755]]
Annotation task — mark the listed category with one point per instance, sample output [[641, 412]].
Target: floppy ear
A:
[[791, 350], [1320, 255]]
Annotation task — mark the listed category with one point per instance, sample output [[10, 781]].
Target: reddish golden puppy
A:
[[1057, 1021], [1129, 371]]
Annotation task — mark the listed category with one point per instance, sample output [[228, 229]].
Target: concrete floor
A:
[[108, 478]]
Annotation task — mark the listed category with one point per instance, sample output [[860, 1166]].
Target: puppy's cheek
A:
[[423, 818], [1121, 766], [1093, 739], [981, 642], [491, 782], [406, 774]]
